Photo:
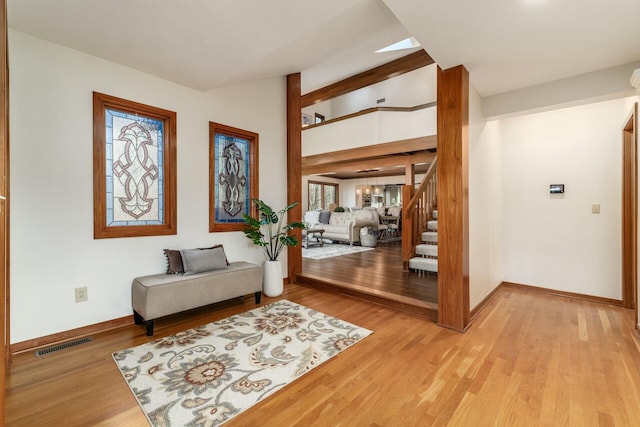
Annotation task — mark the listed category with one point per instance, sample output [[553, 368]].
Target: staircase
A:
[[420, 229], [427, 252]]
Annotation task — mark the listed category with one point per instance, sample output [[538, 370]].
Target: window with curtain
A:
[[321, 195]]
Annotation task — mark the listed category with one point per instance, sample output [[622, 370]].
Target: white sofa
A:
[[343, 226]]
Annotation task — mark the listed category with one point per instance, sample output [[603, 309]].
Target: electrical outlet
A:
[[595, 209], [81, 294]]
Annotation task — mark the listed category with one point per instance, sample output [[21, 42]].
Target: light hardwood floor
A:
[[528, 359]]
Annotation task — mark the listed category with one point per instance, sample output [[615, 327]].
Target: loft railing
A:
[[417, 212], [369, 111]]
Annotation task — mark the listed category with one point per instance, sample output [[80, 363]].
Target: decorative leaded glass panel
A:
[[134, 156], [233, 176], [234, 188], [135, 182]]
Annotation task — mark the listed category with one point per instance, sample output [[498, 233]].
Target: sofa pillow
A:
[[325, 216], [312, 218], [174, 261], [215, 247], [199, 260]]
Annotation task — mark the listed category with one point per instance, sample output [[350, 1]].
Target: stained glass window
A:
[[232, 162], [134, 168], [233, 176], [134, 178]]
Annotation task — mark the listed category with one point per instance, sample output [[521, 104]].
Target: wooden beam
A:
[[377, 150], [453, 199], [294, 170], [395, 68], [370, 163]]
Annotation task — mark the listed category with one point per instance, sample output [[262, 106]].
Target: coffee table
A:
[[313, 233]]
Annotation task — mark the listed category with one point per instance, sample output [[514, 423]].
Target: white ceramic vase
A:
[[272, 281]]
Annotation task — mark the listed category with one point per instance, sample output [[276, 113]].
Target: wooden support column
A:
[[453, 198], [294, 170], [410, 175]]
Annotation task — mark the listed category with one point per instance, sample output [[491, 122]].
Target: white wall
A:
[[323, 108], [52, 245], [601, 85], [422, 84], [369, 129], [554, 241], [406, 90], [485, 203], [396, 125]]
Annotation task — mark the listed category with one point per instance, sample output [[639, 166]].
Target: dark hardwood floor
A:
[[378, 273]]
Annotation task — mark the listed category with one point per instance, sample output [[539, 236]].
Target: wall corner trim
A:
[[475, 312], [583, 297], [635, 80]]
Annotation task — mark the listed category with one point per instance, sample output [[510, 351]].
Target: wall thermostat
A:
[[556, 188]]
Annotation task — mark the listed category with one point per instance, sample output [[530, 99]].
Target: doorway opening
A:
[[630, 212]]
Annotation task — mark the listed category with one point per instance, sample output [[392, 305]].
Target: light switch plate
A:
[[595, 209]]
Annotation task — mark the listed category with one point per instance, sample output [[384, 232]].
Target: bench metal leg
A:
[[258, 296]]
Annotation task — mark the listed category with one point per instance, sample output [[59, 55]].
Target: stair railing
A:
[[417, 212]]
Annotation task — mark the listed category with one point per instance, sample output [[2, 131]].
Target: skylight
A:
[[409, 43]]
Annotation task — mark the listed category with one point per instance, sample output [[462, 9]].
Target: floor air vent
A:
[[58, 347]]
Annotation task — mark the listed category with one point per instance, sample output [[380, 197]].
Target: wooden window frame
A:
[[322, 184], [102, 102], [253, 139]]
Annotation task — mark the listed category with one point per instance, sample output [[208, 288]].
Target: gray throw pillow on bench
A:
[[199, 260]]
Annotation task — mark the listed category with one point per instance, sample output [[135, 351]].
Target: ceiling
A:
[[385, 159], [206, 44], [366, 175]]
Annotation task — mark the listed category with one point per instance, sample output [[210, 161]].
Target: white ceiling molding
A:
[[596, 86]]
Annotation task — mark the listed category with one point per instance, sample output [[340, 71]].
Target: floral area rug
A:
[[330, 250], [207, 375]]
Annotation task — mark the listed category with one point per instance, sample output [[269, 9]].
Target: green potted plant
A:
[[270, 232]]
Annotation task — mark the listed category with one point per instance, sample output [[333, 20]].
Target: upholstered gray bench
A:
[[164, 294]]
